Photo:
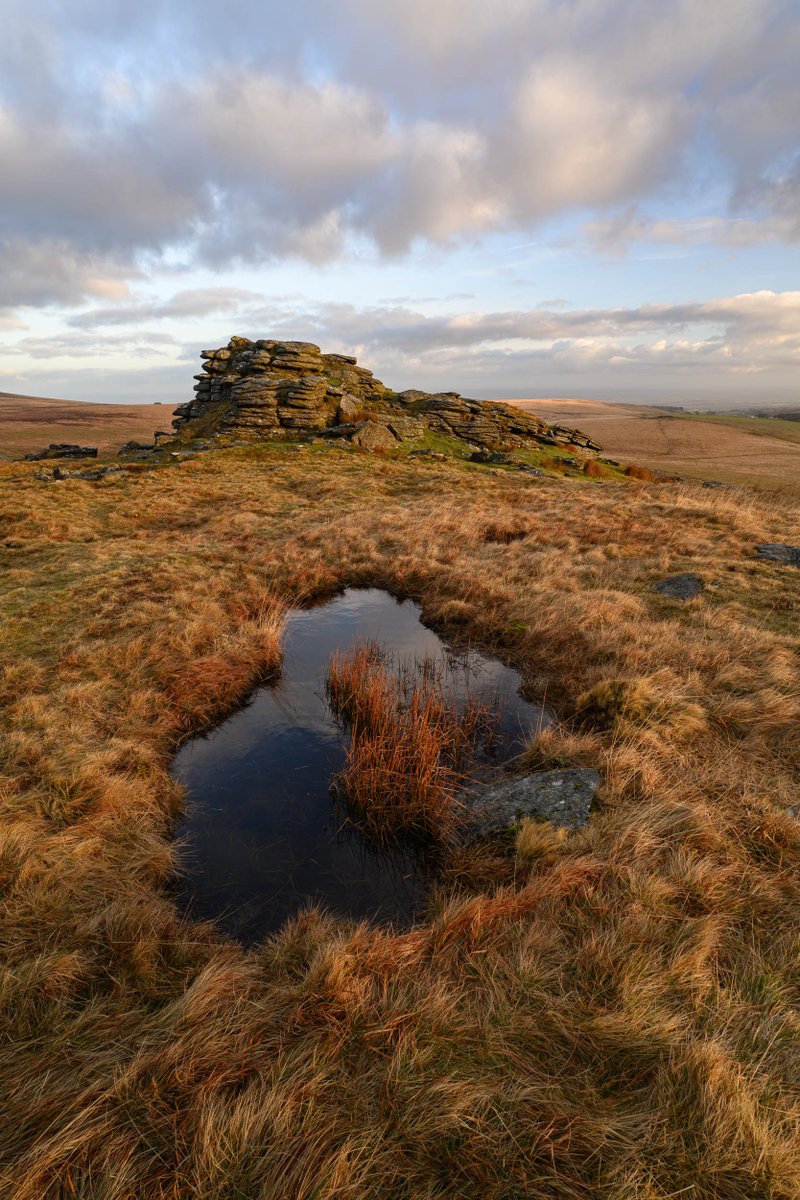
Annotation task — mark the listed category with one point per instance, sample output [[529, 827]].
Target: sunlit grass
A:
[[613, 1014]]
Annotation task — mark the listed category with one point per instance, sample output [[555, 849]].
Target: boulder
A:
[[680, 587], [562, 797], [372, 435], [350, 407], [779, 552], [406, 429]]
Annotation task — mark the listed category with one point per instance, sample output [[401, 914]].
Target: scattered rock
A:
[[59, 473], [779, 552], [567, 462], [562, 797], [372, 435], [498, 457], [680, 587], [134, 447], [62, 450], [716, 483]]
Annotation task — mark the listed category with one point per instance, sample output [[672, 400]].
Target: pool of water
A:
[[261, 838]]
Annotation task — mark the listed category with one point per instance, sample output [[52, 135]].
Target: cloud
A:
[[49, 272], [301, 130], [192, 302], [141, 344], [731, 349], [731, 345], [770, 315]]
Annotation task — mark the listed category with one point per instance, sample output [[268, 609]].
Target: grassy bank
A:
[[618, 1021]]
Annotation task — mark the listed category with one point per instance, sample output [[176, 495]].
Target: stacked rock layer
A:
[[265, 388]]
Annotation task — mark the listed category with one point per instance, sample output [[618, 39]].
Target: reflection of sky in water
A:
[[262, 840]]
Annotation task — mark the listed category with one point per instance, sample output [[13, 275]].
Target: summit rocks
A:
[[263, 389]]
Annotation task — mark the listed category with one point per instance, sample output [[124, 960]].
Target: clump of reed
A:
[[410, 744], [644, 474]]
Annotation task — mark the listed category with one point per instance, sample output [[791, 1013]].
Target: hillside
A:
[[27, 423], [760, 453]]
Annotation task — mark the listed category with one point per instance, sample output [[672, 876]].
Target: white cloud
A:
[[734, 348], [191, 302], [294, 130], [54, 272]]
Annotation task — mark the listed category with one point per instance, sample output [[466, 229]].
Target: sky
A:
[[588, 198]]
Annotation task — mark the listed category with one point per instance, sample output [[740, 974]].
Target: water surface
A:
[[261, 837]]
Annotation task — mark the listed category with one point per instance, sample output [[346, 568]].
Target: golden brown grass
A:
[[619, 1021]]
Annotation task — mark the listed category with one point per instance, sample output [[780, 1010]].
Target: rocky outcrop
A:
[[62, 450], [268, 389]]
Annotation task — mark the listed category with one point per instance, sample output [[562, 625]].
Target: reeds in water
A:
[[411, 744]]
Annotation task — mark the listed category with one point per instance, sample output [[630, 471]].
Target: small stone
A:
[[492, 456], [779, 552], [680, 587], [563, 797]]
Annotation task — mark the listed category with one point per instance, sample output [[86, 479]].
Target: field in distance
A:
[[29, 423], [760, 452]]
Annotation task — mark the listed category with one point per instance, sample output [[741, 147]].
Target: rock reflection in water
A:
[[261, 840]]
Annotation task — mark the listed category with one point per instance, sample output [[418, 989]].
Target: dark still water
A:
[[261, 837]]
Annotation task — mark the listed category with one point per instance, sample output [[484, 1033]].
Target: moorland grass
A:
[[616, 1019]]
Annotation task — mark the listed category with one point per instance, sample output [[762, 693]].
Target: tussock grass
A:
[[410, 744], [615, 1017]]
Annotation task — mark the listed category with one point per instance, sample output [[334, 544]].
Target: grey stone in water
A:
[[779, 552], [562, 797], [680, 587]]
